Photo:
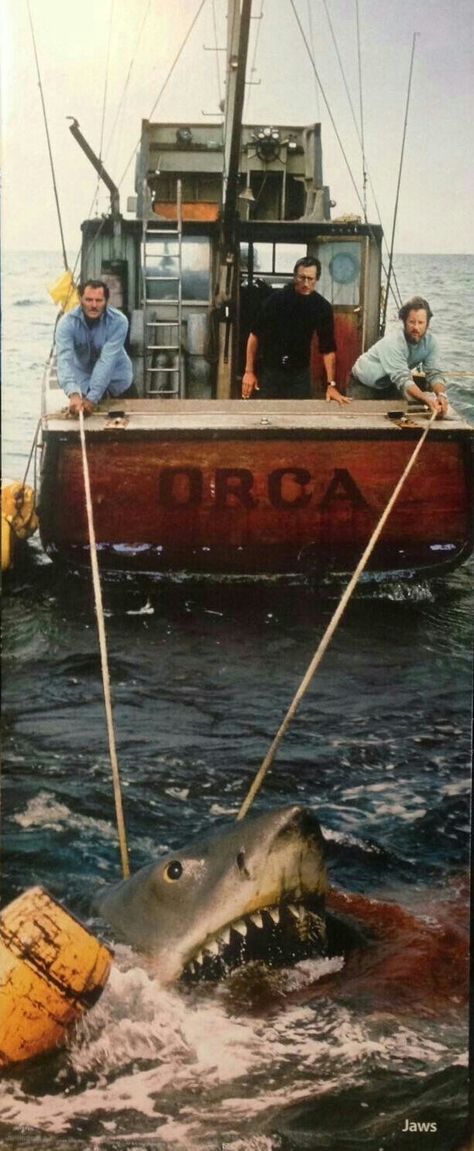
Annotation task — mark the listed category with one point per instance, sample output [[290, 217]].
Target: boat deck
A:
[[259, 418]]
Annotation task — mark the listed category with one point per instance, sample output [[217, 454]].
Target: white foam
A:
[[186, 1069], [46, 812]]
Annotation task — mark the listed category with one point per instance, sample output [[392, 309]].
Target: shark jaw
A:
[[253, 891], [273, 936]]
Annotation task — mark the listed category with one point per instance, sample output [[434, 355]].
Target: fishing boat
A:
[[189, 479]]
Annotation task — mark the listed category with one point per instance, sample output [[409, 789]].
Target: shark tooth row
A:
[[215, 946]]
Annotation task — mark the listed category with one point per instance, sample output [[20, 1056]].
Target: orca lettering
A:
[[288, 488], [342, 486], [300, 477], [180, 487], [235, 483]]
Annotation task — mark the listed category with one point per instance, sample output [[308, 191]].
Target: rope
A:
[[33, 447], [104, 661], [316, 660]]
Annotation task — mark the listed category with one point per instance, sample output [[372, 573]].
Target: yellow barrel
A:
[[19, 519], [51, 970]]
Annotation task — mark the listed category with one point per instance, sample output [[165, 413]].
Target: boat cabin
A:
[[191, 272]]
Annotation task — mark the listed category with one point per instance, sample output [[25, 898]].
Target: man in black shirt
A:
[[281, 339]]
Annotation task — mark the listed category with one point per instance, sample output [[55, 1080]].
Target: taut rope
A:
[[316, 660], [104, 660]]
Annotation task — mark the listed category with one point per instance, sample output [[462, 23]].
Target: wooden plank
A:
[[262, 416]]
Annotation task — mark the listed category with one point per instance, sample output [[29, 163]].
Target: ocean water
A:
[[201, 678]]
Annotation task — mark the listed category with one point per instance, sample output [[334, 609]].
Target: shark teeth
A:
[[257, 918], [216, 945], [241, 927], [298, 912], [212, 947]]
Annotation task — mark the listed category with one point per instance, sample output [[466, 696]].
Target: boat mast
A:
[[238, 25], [238, 17]]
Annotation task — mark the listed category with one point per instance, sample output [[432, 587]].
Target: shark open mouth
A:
[[274, 936], [251, 892]]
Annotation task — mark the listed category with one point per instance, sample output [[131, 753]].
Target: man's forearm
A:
[[329, 361], [251, 353]]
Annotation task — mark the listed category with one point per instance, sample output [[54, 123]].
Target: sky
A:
[[107, 65]]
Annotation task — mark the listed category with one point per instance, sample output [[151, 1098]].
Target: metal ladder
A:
[[162, 317]]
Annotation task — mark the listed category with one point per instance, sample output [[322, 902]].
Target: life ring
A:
[[51, 970]]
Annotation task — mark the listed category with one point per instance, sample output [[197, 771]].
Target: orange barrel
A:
[[51, 970]]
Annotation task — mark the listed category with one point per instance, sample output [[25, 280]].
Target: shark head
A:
[[254, 891]]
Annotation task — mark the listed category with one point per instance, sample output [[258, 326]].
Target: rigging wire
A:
[[50, 153], [342, 70], [326, 101], [331, 628], [216, 49], [311, 33], [397, 296], [361, 112], [101, 225], [253, 66], [331, 117], [106, 81], [165, 83], [121, 102], [397, 196], [95, 198]]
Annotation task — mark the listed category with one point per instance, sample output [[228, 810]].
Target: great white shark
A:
[[255, 891], [258, 891]]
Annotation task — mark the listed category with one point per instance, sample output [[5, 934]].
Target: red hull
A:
[[242, 502]]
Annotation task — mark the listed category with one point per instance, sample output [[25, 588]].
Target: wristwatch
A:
[[331, 384]]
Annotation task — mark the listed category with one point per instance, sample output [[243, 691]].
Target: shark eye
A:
[[174, 870]]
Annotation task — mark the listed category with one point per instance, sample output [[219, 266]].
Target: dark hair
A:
[[308, 262], [416, 304], [94, 284]]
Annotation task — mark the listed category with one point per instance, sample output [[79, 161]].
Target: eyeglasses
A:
[[307, 279]]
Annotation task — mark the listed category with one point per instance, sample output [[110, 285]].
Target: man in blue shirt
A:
[[91, 357], [385, 370]]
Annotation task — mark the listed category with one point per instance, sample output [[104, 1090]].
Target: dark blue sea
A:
[[202, 677]]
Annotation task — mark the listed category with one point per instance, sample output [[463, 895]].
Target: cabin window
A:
[[340, 271], [340, 266], [272, 262], [163, 261]]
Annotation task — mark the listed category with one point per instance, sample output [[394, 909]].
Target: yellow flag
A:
[[64, 292]]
